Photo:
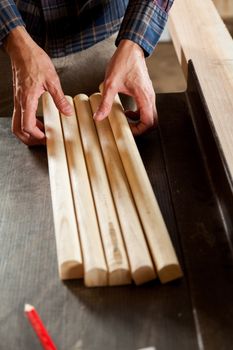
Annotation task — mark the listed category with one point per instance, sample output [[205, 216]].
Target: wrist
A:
[[130, 45], [17, 41]]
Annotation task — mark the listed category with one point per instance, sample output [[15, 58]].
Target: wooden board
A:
[[199, 34], [206, 247]]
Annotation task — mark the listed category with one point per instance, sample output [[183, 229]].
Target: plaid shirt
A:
[[63, 27]]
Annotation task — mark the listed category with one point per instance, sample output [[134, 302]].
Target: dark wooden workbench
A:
[[193, 313]]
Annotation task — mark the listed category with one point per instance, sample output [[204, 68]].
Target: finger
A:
[[155, 112], [16, 117], [21, 135], [148, 114], [142, 126], [54, 88], [16, 124], [17, 130], [16, 120], [106, 102], [146, 122], [28, 116], [40, 125]]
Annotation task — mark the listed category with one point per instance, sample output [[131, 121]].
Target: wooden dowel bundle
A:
[[105, 211], [142, 269], [95, 269], [115, 253], [155, 230]]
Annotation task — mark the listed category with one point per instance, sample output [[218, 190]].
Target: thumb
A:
[[60, 100], [105, 105]]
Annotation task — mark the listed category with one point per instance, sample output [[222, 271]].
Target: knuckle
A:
[[55, 81], [26, 128], [110, 84], [147, 121], [28, 100], [60, 101], [106, 106], [54, 85], [149, 95], [144, 98]]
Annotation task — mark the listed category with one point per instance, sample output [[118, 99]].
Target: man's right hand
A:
[[33, 73]]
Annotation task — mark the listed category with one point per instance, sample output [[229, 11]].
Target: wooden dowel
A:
[[95, 269], [155, 230], [141, 265], [116, 257], [66, 233]]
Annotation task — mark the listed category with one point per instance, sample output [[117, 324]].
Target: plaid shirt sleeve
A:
[[144, 22], [9, 18]]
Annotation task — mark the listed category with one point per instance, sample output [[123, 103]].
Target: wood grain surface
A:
[[159, 242], [195, 312], [95, 269], [114, 248], [199, 34], [141, 265], [66, 230]]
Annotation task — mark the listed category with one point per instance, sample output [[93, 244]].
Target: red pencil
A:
[[39, 328]]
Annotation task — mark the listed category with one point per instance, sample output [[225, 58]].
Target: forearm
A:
[[144, 22], [10, 18], [18, 43]]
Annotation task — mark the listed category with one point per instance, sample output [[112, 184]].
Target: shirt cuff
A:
[[10, 18], [143, 23]]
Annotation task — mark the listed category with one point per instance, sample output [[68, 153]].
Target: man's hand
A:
[[127, 73], [33, 73]]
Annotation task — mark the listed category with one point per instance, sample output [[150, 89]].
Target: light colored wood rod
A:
[[66, 232], [199, 34], [116, 258], [95, 269], [161, 248], [139, 257]]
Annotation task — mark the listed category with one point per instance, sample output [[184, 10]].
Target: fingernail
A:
[[69, 109], [98, 115]]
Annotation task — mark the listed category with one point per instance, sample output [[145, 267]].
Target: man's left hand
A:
[[127, 73]]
